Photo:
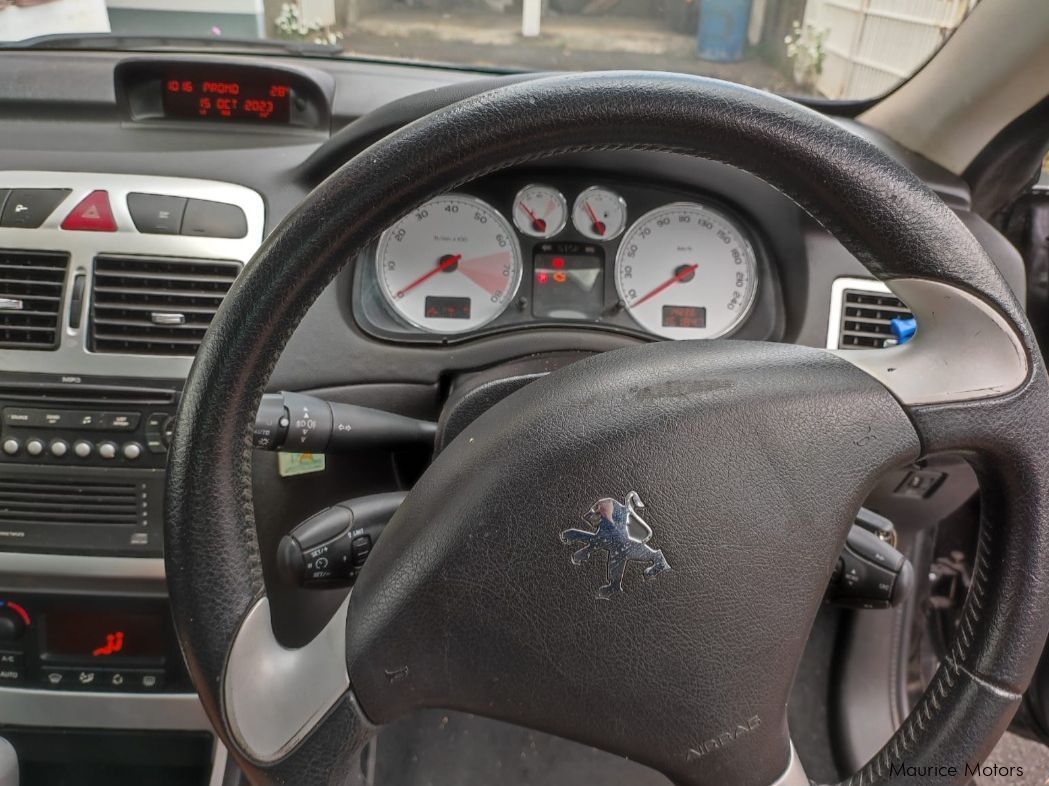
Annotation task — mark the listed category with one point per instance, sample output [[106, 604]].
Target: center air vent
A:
[[865, 318], [156, 305], [28, 501], [31, 287]]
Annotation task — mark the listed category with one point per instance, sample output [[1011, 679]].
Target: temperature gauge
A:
[[540, 211], [599, 214]]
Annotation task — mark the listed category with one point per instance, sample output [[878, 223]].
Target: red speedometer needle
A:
[[537, 222], [445, 262], [599, 225], [683, 272]]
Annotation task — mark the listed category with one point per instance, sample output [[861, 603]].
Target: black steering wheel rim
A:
[[882, 213]]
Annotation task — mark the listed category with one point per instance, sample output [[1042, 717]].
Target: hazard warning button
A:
[[93, 214]]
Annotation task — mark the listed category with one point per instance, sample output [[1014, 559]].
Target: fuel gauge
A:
[[599, 214], [540, 211]]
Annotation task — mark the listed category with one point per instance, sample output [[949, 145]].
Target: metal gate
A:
[[872, 45]]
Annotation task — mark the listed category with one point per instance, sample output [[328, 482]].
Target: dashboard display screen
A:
[[684, 317], [226, 97], [102, 636], [569, 281], [446, 307]]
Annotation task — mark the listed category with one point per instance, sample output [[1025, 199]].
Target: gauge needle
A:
[[683, 272], [599, 225], [443, 263], [537, 223]]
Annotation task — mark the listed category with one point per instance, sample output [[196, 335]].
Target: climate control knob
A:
[[12, 624]]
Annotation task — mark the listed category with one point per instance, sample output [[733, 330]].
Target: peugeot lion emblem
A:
[[613, 520]]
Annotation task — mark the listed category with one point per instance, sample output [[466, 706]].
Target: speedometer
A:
[[686, 271], [450, 266]]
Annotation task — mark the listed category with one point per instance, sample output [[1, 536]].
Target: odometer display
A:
[[685, 270], [450, 266], [222, 97]]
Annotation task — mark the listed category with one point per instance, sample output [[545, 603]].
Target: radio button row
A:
[[11, 446], [71, 418]]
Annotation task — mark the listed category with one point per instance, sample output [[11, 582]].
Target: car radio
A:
[[82, 464]]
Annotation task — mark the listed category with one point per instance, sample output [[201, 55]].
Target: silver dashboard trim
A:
[[273, 696], [86, 710], [14, 564], [72, 357], [963, 350]]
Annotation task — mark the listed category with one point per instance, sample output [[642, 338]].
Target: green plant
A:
[[292, 26], [805, 49]]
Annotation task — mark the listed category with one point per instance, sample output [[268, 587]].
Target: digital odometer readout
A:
[[684, 317], [224, 99]]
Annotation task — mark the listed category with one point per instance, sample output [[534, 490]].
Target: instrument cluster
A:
[[513, 252]]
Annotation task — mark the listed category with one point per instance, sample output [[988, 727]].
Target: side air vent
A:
[[29, 501], [31, 287], [155, 305], [865, 317]]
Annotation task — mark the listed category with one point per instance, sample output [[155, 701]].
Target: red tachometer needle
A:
[[680, 274], [443, 263], [537, 222], [599, 225]]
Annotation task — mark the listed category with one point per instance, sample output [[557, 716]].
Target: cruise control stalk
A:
[[307, 424]]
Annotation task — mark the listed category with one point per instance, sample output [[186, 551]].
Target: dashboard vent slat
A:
[[865, 318], [156, 305], [32, 284], [36, 501]]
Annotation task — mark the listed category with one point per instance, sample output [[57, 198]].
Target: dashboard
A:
[[135, 188]]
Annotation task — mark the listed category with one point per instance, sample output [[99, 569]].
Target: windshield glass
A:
[[836, 49]]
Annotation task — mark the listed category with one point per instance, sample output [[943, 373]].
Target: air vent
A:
[[155, 305], [31, 287], [29, 501], [865, 317]]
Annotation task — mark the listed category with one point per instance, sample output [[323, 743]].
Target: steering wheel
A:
[[751, 459]]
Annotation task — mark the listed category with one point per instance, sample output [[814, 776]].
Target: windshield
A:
[[835, 49]]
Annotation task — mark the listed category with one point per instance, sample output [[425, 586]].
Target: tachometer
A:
[[686, 271], [450, 266]]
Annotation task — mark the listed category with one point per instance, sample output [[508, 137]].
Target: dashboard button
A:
[[59, 447], [107, 450], [132, 450], [92, 214], [54, 678], [11, 658], [119, 421], [27, 208], [34, 447], [11, 446], [149, 680], [10, 675], [83, 448], [213, 219], [156, 214]]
